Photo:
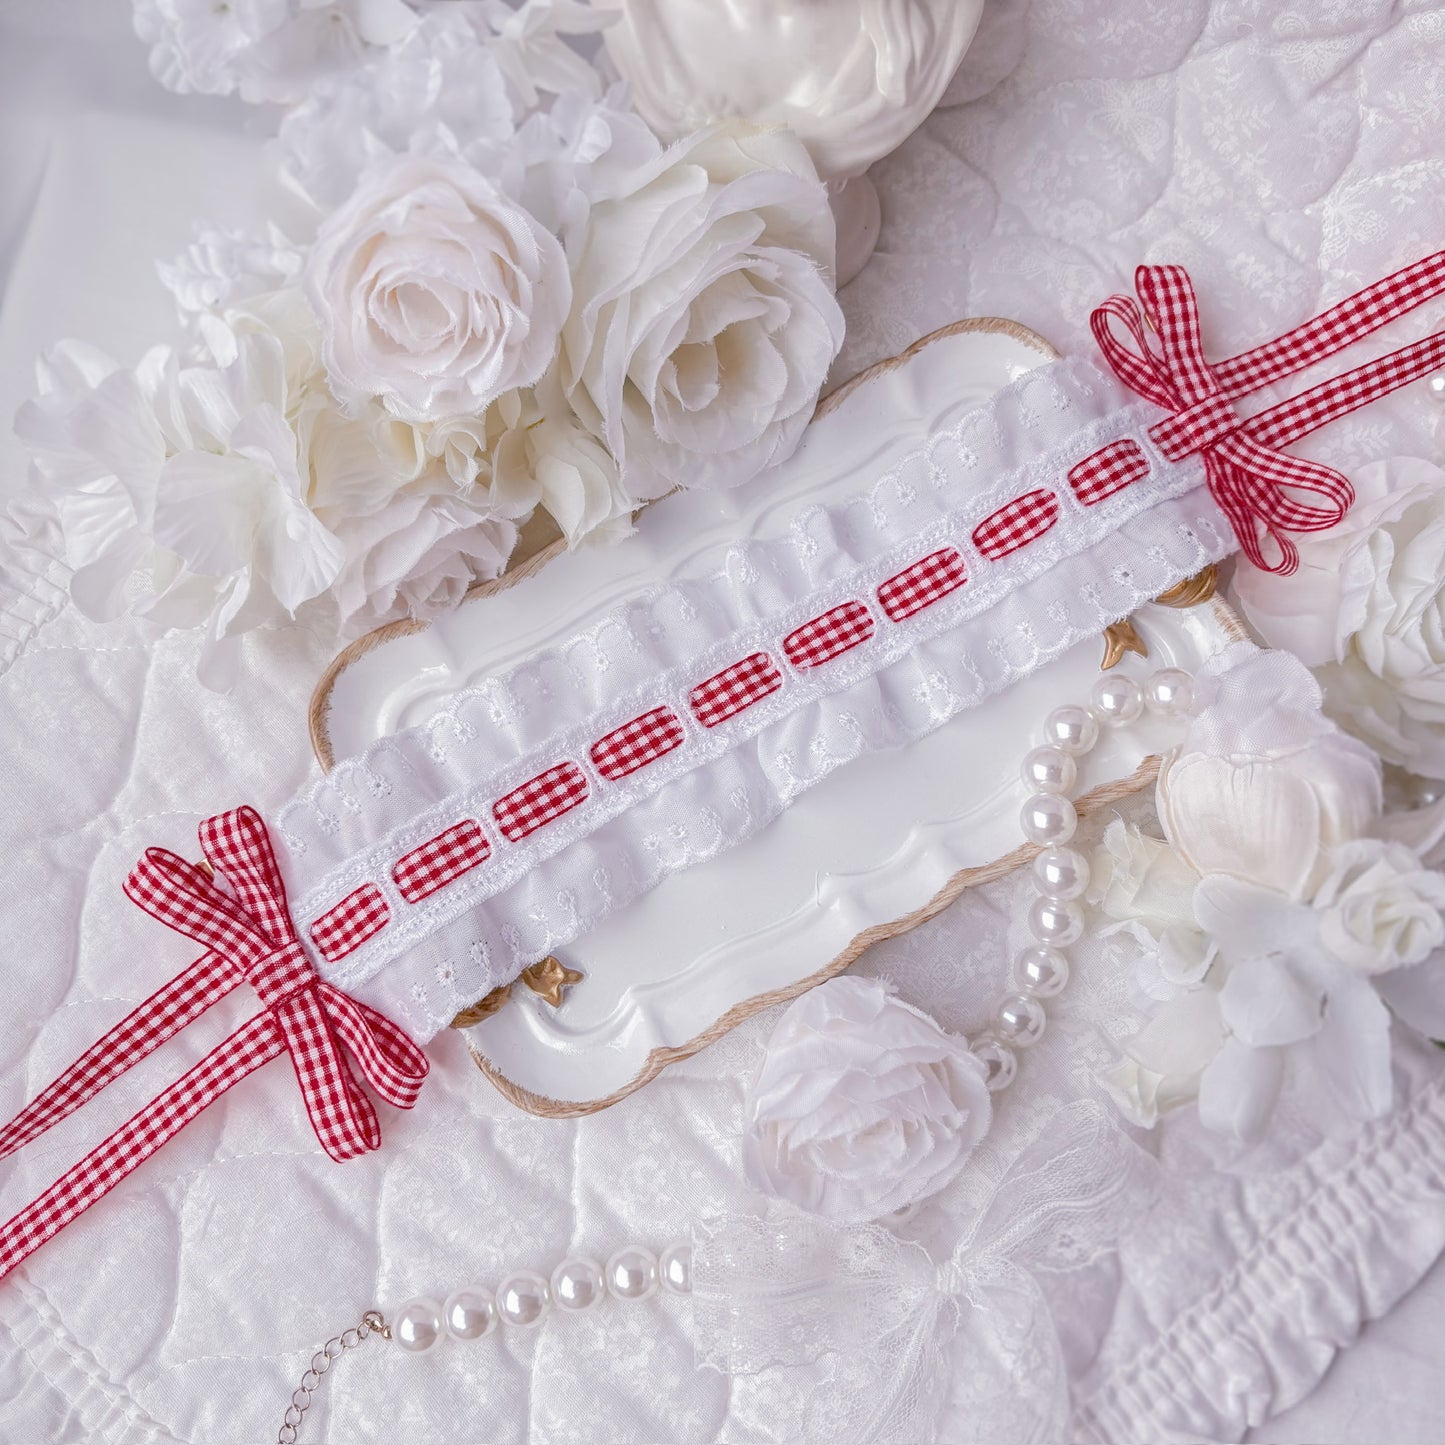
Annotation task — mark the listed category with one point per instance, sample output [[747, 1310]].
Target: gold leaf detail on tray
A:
[[1119, 638], [1193, 590], [549, 978], [483, 1009]]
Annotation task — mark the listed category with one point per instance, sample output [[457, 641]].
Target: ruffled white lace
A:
[[1095, 565]]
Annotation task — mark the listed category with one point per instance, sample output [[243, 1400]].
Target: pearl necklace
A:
[[1061, 873], [522, 1300], [1056, 919]]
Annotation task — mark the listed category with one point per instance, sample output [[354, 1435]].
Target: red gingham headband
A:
[[247, 926]]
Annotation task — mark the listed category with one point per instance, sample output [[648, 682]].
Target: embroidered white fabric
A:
[[185, 1306], [1095, 565]]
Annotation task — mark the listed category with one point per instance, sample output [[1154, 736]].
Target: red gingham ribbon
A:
[[1264, 492], [249, 936]]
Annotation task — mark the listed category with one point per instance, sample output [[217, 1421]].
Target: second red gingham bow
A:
[[249, 936], [1264, 492]]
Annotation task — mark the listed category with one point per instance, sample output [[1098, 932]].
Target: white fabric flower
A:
[[1162, 1063], [524, 459], [435, 293], [1381, 907], [191, 474], [570, 473], [1282, 990], [465, 84], [704, 320], [1367, 609], [1263, 786], [236, 495], [1296, 911], [863, 1105], [268, 50], [222, 267]]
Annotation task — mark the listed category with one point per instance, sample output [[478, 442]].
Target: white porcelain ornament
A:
[[853, 78]]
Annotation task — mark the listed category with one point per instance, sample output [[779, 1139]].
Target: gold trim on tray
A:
[[1192, 590], [1119, 638]]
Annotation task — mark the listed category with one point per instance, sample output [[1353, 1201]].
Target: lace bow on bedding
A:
[[965, 1351]]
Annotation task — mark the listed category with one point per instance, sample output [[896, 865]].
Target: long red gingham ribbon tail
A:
[[1266, 493], [164, 1014], [253, 1044], [249, 935]]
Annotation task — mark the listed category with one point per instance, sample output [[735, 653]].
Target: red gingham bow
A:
[[249, 936], [1264, 492]]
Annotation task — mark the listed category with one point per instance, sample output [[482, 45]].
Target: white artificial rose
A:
[[436, 293], [1380, 907], [1367, 609], [863, 1105], [1263, 786], [704, 322]]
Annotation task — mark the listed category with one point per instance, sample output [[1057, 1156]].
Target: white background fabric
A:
[[1284, 155]]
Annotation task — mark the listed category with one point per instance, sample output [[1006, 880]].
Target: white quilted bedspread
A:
[[1284, 154]]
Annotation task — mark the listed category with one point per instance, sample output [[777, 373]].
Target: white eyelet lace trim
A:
[[1094, 565]]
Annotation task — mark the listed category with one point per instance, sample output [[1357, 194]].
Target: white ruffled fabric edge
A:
[[1366, 1219]]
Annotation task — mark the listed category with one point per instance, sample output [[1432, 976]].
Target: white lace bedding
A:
[[1283, 156]]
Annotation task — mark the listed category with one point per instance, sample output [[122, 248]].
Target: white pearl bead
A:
[[470, 1314], [1169, 692], [1061, 873], [1049, 770], [1435, 385], [674, 1264], [1116, 699], [577, 1284], [1042, 972], [1020, 1020], [1055, 922], [418, 1325], [632, 1273], [522, 1300], [1071, 728], [1424, 792], [1000, 1063], [1048, 818]]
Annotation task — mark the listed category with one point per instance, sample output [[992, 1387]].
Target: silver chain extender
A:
[[372, 1323]]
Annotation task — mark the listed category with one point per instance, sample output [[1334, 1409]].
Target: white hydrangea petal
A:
[[1238, 1091]]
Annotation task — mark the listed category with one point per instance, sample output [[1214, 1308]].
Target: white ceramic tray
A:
[[863, 855]]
